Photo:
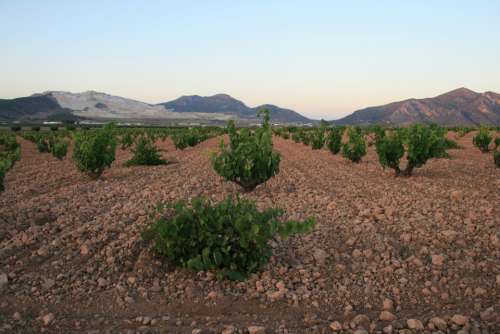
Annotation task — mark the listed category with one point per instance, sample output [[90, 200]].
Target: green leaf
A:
[[233, 237]]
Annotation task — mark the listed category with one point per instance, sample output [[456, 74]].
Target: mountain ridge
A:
[[460, 106], [227, 104], [96, 105], [34, 107]]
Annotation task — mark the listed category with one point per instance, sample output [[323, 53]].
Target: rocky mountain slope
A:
[[458, 107], [96, 105]]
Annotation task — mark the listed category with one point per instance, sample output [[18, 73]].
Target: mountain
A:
[[223, 103], [459, 107], [37, 107], [281, 115], [98, 106]]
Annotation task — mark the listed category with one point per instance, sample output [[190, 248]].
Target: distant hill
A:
[[458, 107], [37, 107], [219, 103], [95, 105], [223, 103], [282, 115]]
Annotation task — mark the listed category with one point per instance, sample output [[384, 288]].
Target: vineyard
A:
[[325, 229]]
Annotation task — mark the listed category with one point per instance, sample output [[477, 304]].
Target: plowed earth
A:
[[428, 245]]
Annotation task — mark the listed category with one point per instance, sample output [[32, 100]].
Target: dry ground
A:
[[425, 249]]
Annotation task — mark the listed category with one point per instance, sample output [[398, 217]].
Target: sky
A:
[[324, 59]]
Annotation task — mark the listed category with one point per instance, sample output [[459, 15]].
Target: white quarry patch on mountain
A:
[[93, 104]]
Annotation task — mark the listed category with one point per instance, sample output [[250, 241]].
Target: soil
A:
[[425, 249]]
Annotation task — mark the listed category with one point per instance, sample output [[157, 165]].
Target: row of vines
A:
[[418, 143], [232, 237]]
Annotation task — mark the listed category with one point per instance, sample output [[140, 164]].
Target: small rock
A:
[[101, 282], [480, 292], [387, 316], [356, 253], [406, 331], [360, 331], [387, 304], [360, 320], [488, 314], [280, 285], [415, 324], [495, 241], [48, 284], [449, 235], [459, 319], [256, 330], [84, 250], [229, 330], [437, 259], [156, 288], [439, 323], [388, 329], [17, 316], [201, 331], [4, 281], [336, 326], [276, 295], [456, 196], [42, 251], [48, 319], [348, 309], [320, 255]]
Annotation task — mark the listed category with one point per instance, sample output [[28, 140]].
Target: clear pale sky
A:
[[323, 59]]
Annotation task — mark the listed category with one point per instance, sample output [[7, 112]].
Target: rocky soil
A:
[[388, 255]]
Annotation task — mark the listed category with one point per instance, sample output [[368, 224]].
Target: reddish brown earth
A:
[[420, 251]]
